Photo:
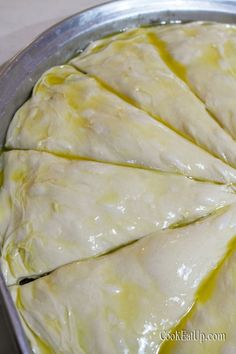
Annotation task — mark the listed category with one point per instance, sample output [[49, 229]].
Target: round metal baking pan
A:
[[62, 41]]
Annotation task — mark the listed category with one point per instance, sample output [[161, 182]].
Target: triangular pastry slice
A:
[[72, 114], [134, 66], [122, 301], [54, 210]]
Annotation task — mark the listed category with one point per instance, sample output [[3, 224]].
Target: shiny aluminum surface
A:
[[56, 46]]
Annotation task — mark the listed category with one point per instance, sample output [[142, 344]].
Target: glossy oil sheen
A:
[[203, 294]]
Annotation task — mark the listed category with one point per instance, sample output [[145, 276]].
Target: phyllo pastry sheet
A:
[[56, 210], [73, 114], [212, 319], [206, 52], [122, 301], [147, 76]]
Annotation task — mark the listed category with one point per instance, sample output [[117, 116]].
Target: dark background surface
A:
[[8, 343]]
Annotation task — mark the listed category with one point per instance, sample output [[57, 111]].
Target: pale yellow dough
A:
[[119, 303], [55, 210], [150, 83], [207, 52], [72, 114], [214, 314]]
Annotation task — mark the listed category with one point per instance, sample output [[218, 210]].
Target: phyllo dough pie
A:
[[117, 199]]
